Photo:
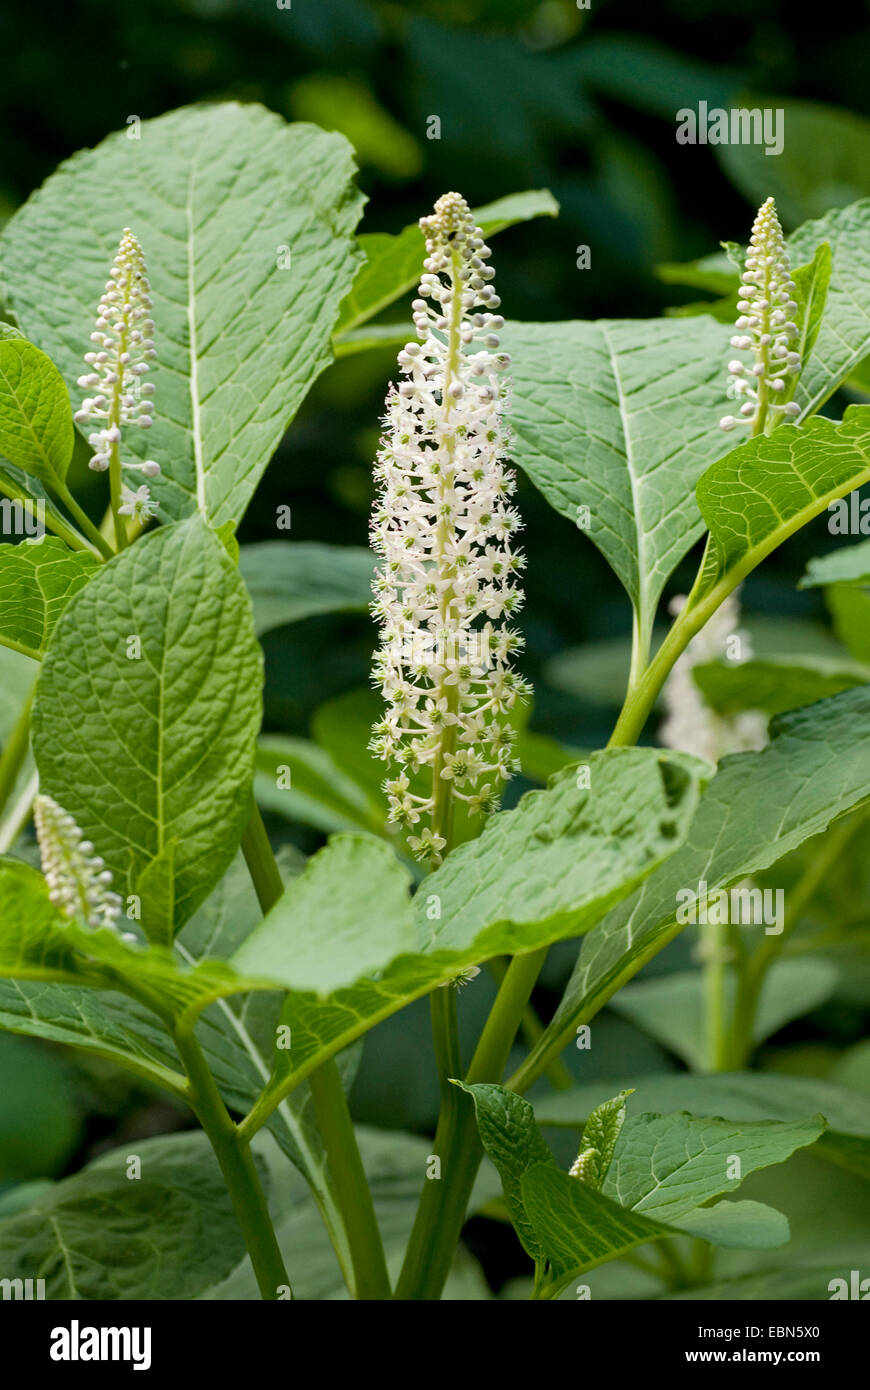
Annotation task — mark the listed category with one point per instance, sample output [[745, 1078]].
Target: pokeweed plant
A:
[[137, 939]]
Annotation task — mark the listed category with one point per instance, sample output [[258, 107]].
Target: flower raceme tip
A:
[[79, 884], [122, 355], [766, 328]]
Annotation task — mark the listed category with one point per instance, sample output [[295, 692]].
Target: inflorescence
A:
[[444, 528], [124, 350], [79, 884], [767, 329]]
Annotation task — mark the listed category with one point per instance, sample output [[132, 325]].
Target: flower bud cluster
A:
[[79, 884], [444, 527], [766, 328], [122, 355]]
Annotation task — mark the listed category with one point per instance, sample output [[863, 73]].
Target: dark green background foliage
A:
[[530, 94]]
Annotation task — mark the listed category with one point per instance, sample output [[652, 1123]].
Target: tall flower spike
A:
[[79, 884], [124, 351], [690, 725], [443, 526], [766, 328]]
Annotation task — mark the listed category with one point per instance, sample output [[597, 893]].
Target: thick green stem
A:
[[352, 1191], [238, 1168], [714, 948]]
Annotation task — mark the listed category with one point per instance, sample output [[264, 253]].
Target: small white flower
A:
[[79, 884], [767, 328], [139, 504]]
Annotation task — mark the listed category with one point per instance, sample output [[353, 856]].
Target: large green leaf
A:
[[302, 781], [289, 580], [37, 943], [247, 225], [769, 487], [740, 1097], [103, 1235], [816, 767], [580, 1228], [774, 685], [666, 1165], [37, 581], [621, 417], [394, 264], [672, 1008], [844, 336], [544, 871], [36, 428], [513, 1141], [155, 751]]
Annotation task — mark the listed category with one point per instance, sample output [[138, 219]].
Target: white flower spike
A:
[[79, 884], [767, 329], [124, 351], [444, 527]]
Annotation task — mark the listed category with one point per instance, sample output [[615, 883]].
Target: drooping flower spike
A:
[[124, 351], [444, 528], [766, 329], [79, 884]]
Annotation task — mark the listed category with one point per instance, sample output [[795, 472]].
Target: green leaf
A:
[[357, 894], [600, 1134], [844, 336], [144, 750], [579, 1228], [290, 580], [40, 1112], [666, 1165], [36, 428], [222, 197], [739, 1097], [738, 1225], [816, 767], [541, 872], [848, 564], [175, 1224], [37, 581], [775, 685], [812, 282], [672, 1009], [824, 161], [769, 487], [32, 505], [37, 943], [394, 264], [319, 792], [621, 417], [715, 273], [509, 1134]]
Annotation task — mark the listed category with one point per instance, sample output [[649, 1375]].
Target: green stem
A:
[[751, 978], [15, 751], [351, 1187], [84, 521], [352, 1191], [237, 1165], [532, 1030], [115, 484], [441, 1213], [713, 942]]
